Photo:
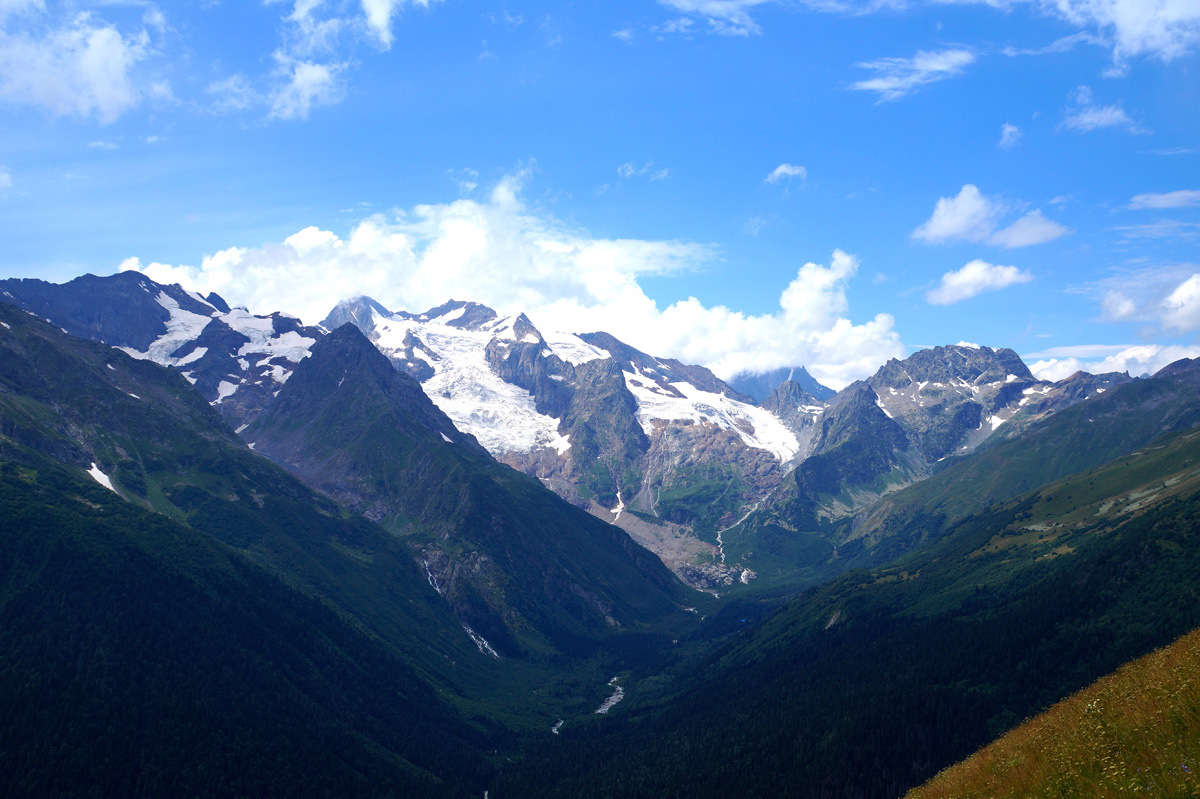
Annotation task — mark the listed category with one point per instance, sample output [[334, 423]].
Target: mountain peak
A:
[[359, 311], [460, 314]]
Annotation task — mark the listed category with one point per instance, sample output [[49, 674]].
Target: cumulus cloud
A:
[[973, 279], [1009, 136], [898, 77], [83, 68], [502, 253], [973, 216], [1181, 308], [1173, 199], [1166, 296], [969, 216], [1166, 29], [785, 171], [1137, 360], [1032, 228]]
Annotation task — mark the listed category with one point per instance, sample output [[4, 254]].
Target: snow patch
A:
[[446, 438], [995, 421], [192, 356], [6, 326], [1010, 378], [101, 478], [756, 427], [225, 389], [886, 412]]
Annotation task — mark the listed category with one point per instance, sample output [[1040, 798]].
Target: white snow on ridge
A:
[[756, 427], [182, 327], [502, 416], [573, 349]]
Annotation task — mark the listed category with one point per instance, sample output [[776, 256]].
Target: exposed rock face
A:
[[520, 567]]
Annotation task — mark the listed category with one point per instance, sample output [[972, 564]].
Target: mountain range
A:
[[799, 591]]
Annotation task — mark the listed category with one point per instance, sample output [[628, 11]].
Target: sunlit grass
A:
[[1133, 733]]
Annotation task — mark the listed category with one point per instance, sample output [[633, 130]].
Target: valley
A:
[[589, 570]]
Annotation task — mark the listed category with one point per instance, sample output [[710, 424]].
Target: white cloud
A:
[[784, 171], [1181, 308], [972, 216], [308, 84], [234, 93], [973, 279], [969, 216], [83, 68], [1009, 136], [502, 253], [1144, 359], [1165, 29], [1033, 228], [6, 181], [731, 17], [898, 77], [1168, 296], [1085, 116], [1173, 199], [103, 145], [379, 15], [632, 170]]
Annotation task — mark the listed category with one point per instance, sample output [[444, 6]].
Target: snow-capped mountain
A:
[[666, 450], [605, 425], [236, 360]]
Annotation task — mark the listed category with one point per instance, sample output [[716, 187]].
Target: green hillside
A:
[[871, 684], [139, 657], [1133, 733]]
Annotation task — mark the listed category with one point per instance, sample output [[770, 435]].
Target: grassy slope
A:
[[1135, 732]]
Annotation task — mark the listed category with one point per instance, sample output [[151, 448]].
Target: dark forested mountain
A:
[[141, 657], [144, 431], [520, 566]]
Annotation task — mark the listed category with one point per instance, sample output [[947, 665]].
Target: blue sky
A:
[[741, 183]]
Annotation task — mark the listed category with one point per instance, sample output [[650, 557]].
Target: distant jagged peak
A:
[[359, 311], [460, 314], [761, 385], [967, 362], [515, 328], [663, 371]]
